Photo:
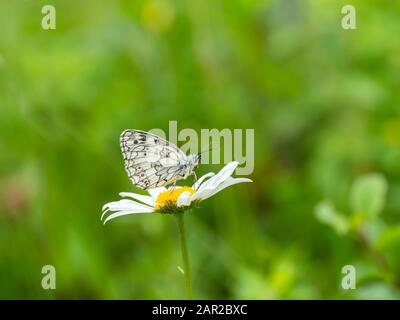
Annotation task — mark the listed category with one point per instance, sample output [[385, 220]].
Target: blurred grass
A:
[[323, 102]]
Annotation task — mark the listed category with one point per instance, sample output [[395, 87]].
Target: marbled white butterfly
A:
[[151, 161]]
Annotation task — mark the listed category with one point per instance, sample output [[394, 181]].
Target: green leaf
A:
[[327, 214], [388, 245], [377, 291], [366, 272], [368, 195], [373, 230]]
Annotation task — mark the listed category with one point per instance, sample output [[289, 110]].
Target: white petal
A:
[[201, 179], [124, 213], [227, 183], [183, 199], [143, 198], [204, 193], [221, 176], [117, 204], [173, 188], [125, 205], [155, 192]]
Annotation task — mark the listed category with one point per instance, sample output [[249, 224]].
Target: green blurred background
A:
[[324, 103]]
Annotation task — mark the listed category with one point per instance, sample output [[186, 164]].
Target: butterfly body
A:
[[152, 162]]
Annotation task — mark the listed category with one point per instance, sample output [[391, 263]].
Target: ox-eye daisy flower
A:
[[175, 200]]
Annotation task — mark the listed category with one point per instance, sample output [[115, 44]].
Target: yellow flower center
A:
[[170, 197]]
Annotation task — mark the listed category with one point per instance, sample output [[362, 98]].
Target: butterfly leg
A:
[[195, 177], [173, 187]]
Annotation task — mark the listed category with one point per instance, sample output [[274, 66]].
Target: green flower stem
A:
[[185, 257]]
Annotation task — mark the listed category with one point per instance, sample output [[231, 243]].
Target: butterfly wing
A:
[[151, 161]]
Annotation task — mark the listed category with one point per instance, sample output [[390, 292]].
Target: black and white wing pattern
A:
[[151, 161]]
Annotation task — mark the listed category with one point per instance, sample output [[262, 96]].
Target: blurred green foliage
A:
[[324, 103]]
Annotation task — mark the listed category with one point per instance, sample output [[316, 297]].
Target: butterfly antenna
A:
[[207, 150]]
